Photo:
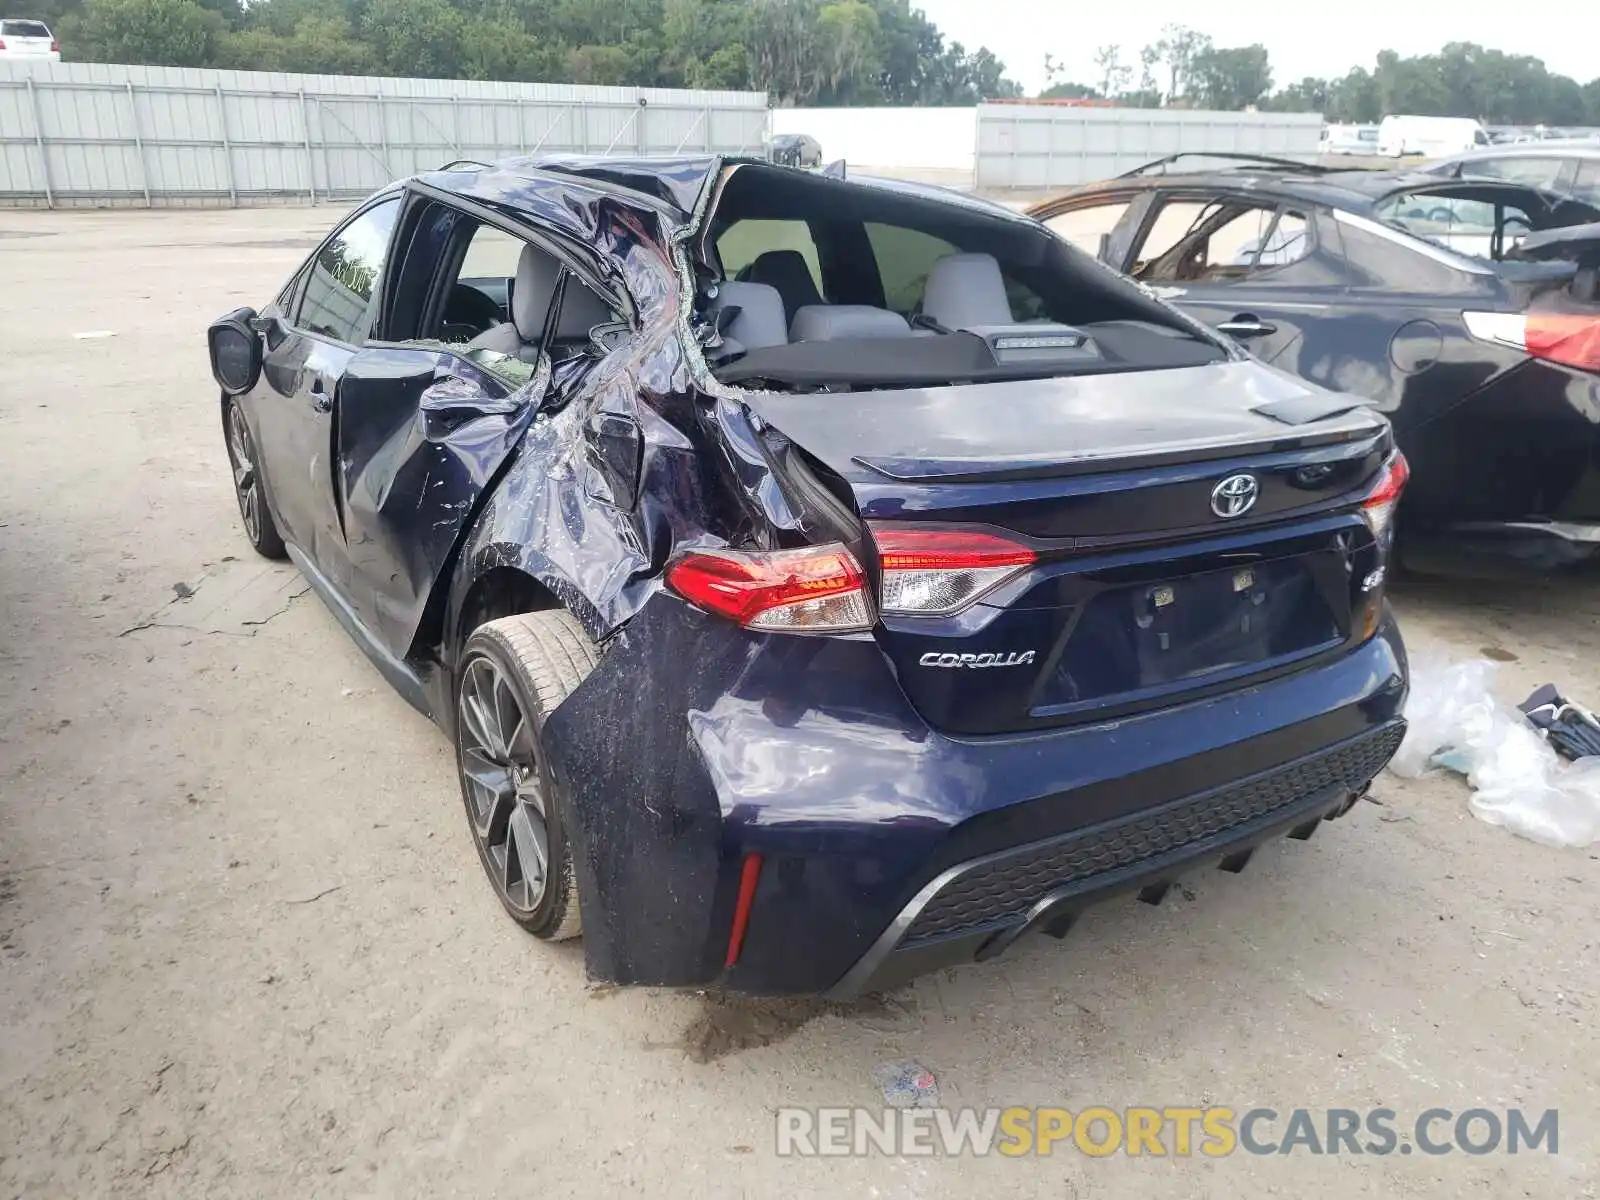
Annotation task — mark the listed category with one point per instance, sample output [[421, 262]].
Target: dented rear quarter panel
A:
[[573, 509]]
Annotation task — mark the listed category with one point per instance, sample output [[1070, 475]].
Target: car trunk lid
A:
[[1169, 532]]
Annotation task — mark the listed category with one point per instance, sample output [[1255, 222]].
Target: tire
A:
[[515, 809], [244, 461]]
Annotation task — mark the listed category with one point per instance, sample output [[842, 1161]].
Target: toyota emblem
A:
[[1235, 496]]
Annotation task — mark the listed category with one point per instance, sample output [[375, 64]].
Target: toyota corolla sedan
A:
[[822, 580]]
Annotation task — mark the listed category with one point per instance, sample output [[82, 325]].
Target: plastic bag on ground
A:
[[1518, 781], [1444, 701], [1561, 813]]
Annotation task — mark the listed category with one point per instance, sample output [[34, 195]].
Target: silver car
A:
[[1570, 166]]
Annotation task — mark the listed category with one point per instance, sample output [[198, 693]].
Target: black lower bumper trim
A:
[[898, 957]]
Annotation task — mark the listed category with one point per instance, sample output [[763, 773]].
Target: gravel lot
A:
[[245, 948]]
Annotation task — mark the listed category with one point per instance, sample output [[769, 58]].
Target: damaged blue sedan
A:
[[822, 580]]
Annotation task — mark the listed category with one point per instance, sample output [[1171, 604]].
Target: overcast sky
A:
[[1303, 39]]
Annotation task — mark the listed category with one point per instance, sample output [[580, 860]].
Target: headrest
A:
[[845, 322], [760, 321], [966, 289]]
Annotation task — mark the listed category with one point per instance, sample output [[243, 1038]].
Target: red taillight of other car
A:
[[1378, 508], [55, 46], [936, 572], [1571, 339], [1565, 338], [816, 589]]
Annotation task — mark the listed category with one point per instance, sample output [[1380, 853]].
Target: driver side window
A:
[[341, 291]]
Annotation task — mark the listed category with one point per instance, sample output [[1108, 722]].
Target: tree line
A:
[[806, 52], [1183, 68], [825, 52]]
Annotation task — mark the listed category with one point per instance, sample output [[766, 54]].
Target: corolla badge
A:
[[1235, 496], [977, 661]]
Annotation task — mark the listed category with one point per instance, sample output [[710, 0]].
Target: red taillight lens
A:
[[817, 589], [1572, 339], [1565, 338], [1378, 508], [935, 572], [55, 46]]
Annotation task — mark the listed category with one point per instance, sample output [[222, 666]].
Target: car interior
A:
[[498, 306], [1483, 218], [1200, 241], [926, 289]]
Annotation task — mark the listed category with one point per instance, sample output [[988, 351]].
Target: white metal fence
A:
[[92, 134], [1044, 146]]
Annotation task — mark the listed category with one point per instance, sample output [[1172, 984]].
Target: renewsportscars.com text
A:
[[1213, 1132]]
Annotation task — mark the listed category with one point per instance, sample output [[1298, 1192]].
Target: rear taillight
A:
[[935, 572], [55, 46], [1378, 508], [2, 43], [817, 589], [1565, 338], [1572, 339]]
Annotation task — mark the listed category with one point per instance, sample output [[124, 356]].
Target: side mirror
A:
[[235, 350], [272, 329]]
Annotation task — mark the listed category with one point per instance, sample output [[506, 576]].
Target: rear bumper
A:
[[977, 910], [695, 745]]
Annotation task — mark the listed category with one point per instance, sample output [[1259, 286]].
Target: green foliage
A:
[[1070, 91], [1230, 79], [800, 51], [415, 37], [172, 33], [1184, 69], [859, 52]]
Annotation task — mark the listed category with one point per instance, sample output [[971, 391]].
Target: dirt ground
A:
[[245, 948]]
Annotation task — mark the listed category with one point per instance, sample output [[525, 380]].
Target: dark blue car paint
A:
[[807, 752], [1503, 448], [694, 741]]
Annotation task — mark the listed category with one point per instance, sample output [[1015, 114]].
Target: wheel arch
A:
[[490, 580], [502, 591]]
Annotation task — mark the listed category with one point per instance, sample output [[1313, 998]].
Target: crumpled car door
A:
[[422, 433]]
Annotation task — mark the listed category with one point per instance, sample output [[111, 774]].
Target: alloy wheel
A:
[[246, 483], [500, 777]]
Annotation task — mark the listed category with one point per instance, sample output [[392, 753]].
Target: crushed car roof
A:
[[673, 182]]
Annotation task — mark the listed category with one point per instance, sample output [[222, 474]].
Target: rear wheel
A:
[[258, 524], [514, 673]]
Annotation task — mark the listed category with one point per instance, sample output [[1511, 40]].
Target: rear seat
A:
[[845, 322], [760, 320]]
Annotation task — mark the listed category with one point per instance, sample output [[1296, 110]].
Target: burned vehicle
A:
[[1463, 306], [821, 580]]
